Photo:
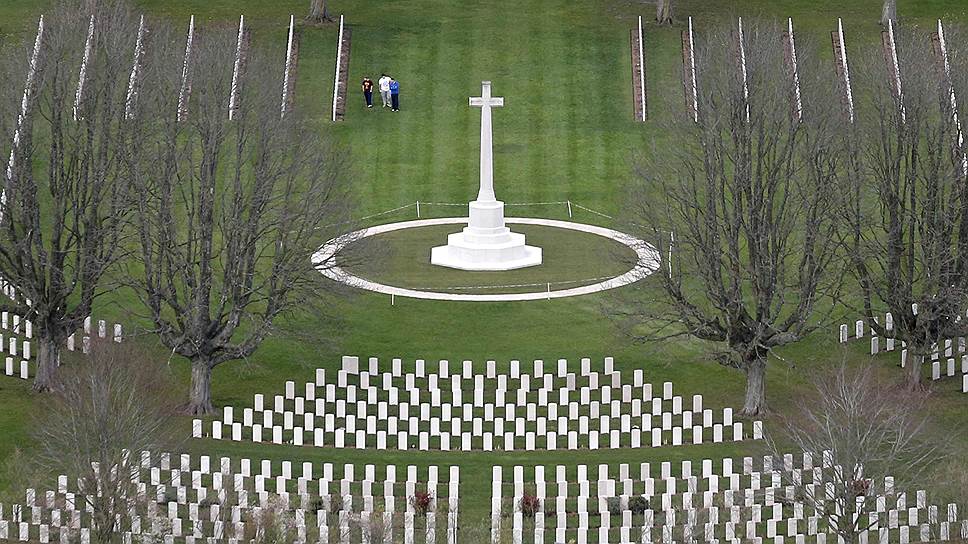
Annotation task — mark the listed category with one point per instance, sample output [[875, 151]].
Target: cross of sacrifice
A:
[[486, 102]]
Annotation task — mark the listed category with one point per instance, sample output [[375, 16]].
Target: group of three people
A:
[[389, 92]]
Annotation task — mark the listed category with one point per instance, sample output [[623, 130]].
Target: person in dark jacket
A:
[[368, 91], [395, 95]]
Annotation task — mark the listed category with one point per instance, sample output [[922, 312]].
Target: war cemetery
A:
[[441, 271]]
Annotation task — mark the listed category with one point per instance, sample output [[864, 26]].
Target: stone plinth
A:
[[486, 244]]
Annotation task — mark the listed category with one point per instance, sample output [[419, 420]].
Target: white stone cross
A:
[[486, 102]]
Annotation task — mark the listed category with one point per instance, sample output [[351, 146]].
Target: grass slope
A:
[[565, 133]]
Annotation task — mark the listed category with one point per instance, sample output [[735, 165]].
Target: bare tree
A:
[[274, 523], [230, 212], [62, 222], [908, 202], [318, 11], [889, 12], [663, 12], [867, 439], [743, 211], [107, 407]]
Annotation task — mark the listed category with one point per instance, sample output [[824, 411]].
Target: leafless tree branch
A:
[[744, 211], [230, 211]]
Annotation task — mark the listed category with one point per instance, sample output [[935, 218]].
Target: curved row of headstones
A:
[[543, 407], [191, 499], [16, 335], [739, 504]]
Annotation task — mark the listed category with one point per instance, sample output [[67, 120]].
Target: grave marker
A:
[[689, 83], [133, 82], [82, 75]]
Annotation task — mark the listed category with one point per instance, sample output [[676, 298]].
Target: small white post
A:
[[418, 209], [569, 202]]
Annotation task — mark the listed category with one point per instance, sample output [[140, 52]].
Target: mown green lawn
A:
[[405, 261], [565, 133]]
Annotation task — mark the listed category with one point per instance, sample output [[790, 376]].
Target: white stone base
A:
[[464, 255], [486, 244]]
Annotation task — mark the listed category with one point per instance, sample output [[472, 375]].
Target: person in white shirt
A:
[[384, 83]]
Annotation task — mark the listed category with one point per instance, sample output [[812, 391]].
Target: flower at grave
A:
[[860, 487], [529, 505], [422, 502]]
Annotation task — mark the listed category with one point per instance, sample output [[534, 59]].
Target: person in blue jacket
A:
[[395, 95]]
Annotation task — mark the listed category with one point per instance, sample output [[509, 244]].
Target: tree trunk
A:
[[913, 371], [663, 12], [889, 12], [200, 400], [755, 403], [318, 11], [48, 359], [103, 517]]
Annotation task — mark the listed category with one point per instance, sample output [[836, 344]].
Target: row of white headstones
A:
[[954, 351], [16, 334], [20, 366], [843, 69], [606, 412], [191, 498], [137, 68], [745, 506]]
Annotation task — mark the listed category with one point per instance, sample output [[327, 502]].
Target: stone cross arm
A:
[[494, 102], [486, 99]]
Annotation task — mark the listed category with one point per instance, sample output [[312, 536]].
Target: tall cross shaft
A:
[[486, 102]]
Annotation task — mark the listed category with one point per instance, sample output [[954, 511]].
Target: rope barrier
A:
[[384, 212], [592, 211], [515, 285], [364, 218], [418, 203], [537, 203]]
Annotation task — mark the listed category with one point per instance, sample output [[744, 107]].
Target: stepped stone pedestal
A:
[[486, 243]]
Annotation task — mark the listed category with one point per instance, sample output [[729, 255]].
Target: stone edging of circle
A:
[[648, 261]]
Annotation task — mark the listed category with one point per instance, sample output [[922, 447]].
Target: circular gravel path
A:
[[648, 262]]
